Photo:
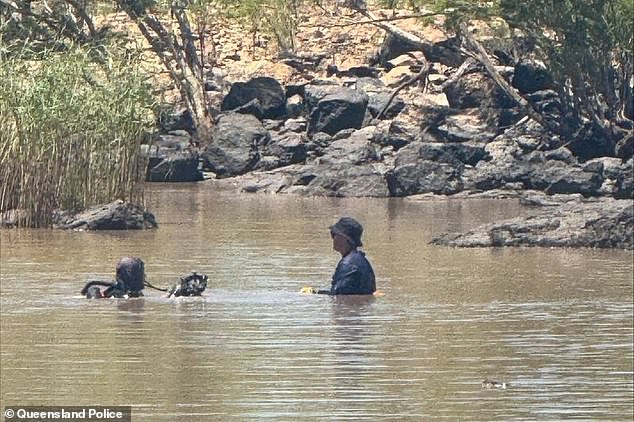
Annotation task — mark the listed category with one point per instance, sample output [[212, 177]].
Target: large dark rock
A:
[[625, 181], [607, 223], [117, 215], [557, 177], [172, 158], [177, 167], [379, 100], [476, 90], [270, 96], [498, 174], [235, 145], [357, 148], [316, 91], [445, 52], [531, 76], [456, 154], [342, 109], [425, 177], [341, 180], [172, 118], [395, 134], [288, 148]]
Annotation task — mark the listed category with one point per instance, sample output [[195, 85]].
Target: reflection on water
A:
[[555, 324]]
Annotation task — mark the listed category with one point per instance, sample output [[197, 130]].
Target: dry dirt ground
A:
[[235, 52]]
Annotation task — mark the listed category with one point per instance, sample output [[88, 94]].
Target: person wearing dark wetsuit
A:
[[130, 281], [354, 274]]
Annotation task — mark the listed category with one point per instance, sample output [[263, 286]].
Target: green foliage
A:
[[70, 131], [277, 17], [455, 11], [588, 45]]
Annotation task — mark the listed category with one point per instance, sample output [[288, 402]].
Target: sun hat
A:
[[350, 228]]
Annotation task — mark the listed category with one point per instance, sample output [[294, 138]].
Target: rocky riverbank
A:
[[401, 124]]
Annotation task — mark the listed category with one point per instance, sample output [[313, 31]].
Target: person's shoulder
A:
[[356, 257]]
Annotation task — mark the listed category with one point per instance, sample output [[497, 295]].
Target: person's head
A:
[[131, 272], [346, 235]]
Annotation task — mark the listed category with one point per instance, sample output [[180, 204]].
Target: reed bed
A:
[[70, 131]]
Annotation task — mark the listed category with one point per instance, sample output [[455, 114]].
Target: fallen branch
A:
[[420, 76], [481, 55]]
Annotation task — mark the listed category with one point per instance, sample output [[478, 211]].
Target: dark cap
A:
[[131, 271], [350, 228]]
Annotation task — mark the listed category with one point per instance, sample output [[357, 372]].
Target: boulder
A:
[[557, 177], [270, 96], [425, 177], [377, 102], [177, 167], [235, 146], [172, 118], [341, 180], [342, 109], [607, 223], [117, 215], [172, 158], [531, 76], [288, 148], [357, 148], [456, 154]]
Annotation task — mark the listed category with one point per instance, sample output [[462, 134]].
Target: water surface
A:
[[555, 324]]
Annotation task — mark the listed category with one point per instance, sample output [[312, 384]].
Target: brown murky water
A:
[[555, 324]]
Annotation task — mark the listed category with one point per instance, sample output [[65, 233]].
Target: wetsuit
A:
[[353, 276]]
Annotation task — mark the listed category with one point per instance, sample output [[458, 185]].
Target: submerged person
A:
[[354, 274], [130, 273]]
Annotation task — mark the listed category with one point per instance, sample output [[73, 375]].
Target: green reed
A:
[[70, 131]]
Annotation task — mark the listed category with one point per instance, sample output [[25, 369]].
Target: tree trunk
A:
[[179, 58]]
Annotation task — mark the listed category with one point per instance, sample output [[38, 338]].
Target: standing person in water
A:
[[354, 274]]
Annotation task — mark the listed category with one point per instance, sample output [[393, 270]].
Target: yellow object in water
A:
[[308, 290]]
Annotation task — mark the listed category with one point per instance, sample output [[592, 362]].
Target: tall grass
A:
[[70, 131]]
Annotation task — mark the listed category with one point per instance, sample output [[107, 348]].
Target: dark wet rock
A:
[[625, 181], [270, 96], [556, 177], [117, 215], [462, 128], [235, 145], [177, 167], [342, 109], [455, 154], [395, 134], [424, 176], [341, 180], [289, 148], [379, 100], [172, 118], [476, 90], [531, 76], [357, 148], [172, 158], [606, 223], [624, 148]]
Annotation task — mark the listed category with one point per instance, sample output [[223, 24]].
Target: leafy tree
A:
[[587, 44]]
